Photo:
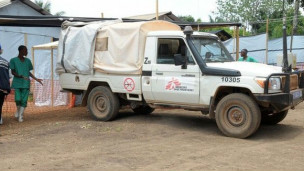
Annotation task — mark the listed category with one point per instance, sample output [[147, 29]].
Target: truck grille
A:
[[294, 82]]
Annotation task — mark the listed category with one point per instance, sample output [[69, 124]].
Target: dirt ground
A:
[[179, 140]]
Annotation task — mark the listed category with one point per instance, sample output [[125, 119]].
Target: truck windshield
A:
[[211, 50]]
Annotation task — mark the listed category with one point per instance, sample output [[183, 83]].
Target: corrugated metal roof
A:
[[29, 3], [147, 16], [4, 3]]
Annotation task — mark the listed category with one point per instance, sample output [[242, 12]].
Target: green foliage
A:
[[246, 11], [186, 18], [47, 7], [44, 5], [254, 13]]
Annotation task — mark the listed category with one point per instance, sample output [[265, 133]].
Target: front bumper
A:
[[288, 98], [282, 101]]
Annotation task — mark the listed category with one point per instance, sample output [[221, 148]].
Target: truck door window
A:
[[168, 47], [211, 50]]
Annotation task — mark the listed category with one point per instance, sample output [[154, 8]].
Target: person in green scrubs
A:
[[21, 67], [246, 58]]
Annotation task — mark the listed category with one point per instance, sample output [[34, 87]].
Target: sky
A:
[[126, 8]]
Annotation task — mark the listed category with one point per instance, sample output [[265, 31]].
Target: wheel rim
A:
[[236, 116], [100, 104]]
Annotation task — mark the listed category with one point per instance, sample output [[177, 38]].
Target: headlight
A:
[[274, 83]]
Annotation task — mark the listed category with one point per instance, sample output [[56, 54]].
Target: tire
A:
[[274, 118], [144, 109], [238, 115], [103, 104]]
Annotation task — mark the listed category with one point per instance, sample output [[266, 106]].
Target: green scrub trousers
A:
[[21, 96]]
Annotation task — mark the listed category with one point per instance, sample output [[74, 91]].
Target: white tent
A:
[[256, 46], [49, 93]]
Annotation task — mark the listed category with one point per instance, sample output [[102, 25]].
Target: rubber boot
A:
[[21, 111], [17, 112]]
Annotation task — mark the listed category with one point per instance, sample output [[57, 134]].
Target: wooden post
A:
[[52, 76], [237, 43], [266, 55], [33, 60], [102, 15], [244, 30], [156, 10], [25, 39], [33, 63]]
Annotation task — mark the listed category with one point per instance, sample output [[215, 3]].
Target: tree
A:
[[47, 7], [297, 4], [44, 5], [246, 11]]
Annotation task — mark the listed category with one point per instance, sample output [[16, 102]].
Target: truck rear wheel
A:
[[237, 115], [274, 118], [103, 104], [144, 109]]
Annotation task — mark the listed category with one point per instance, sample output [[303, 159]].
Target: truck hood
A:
[[249, 68]]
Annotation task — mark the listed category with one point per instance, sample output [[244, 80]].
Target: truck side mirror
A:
[[180, 60]]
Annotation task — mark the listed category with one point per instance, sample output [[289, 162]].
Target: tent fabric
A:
[[119, 46], [76, 46], [256, 46], [126, 45]]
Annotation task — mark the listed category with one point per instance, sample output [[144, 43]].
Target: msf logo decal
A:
[[173, 84], [181, 85]]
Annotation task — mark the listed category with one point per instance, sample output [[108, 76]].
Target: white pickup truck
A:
[[154, 64]]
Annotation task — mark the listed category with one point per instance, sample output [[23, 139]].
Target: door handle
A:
[[188, 75], [159, 73]]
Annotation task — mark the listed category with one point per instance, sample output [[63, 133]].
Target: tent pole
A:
[[33, 62], [52, 76], [237, 43], [267, 25]]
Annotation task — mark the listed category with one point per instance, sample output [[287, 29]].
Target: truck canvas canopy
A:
[[108, 47]]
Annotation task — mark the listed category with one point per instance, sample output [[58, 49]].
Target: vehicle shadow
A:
[[198, 122]]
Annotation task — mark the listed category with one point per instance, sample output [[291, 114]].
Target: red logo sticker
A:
[[172, 84], [129, 84]]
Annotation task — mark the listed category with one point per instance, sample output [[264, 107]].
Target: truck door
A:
[[170, 83]]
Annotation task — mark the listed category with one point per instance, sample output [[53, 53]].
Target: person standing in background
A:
[[4, 82], [246, 58], [21, 67]]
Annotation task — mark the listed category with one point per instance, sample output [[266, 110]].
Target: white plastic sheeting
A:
[[119, 46], [76, 46], [256, 46]]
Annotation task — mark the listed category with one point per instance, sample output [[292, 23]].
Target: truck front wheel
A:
[[274, 118], [103, 104], [237, 115]]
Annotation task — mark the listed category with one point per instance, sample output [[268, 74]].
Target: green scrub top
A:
[[21, 68], [249, 59]]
